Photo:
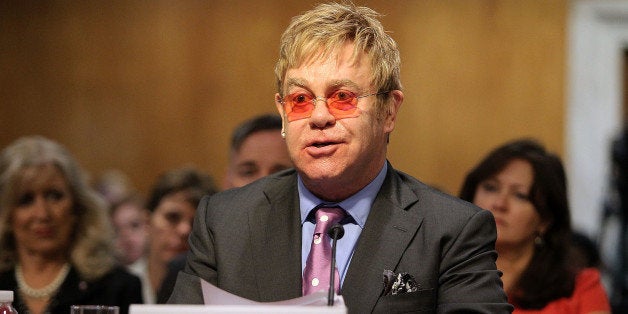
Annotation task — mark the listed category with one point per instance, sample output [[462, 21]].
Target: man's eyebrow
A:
[[299, 82], [345, 82], [296, 82]]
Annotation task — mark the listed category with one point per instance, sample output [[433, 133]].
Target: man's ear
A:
[[281, 110], [278, 104], [392, 108]]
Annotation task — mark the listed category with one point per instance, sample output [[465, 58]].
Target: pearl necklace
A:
[[44, 292]]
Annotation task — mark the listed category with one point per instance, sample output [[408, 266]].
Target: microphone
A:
[[335, 232]]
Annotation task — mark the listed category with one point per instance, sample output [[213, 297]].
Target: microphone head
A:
[[336, 231]]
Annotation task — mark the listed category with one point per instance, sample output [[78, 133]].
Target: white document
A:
[[215, 296], [218, 301]]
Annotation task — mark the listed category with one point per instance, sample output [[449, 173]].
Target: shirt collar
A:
[[358, 205]]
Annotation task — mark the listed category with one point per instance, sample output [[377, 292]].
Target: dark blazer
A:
[[248, 241], [117, 287], [174, 266]]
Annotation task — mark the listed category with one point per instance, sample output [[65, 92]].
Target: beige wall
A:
[[145, 86]]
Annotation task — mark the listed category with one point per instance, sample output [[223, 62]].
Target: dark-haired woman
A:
[[524, 186]]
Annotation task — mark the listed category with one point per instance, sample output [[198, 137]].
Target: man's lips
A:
[[323, 144], [321, 148], [322, 141]]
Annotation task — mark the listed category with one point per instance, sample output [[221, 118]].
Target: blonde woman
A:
[[56, 245]]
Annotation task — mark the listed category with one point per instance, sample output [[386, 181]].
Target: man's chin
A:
[[320, 175]]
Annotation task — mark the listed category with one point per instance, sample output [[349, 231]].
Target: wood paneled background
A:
[[146, 86]]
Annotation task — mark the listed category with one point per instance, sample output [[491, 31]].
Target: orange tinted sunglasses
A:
[[341, 104]]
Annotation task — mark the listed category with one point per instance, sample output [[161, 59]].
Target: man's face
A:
[[170, 226], [262, 153], [131, 225], [336, 157]]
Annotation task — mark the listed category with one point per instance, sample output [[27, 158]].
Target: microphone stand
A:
[[335, 232]]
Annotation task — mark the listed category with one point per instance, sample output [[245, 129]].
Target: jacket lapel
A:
[[276, 241], [388, 231]]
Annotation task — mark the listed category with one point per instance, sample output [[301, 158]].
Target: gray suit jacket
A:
[[248, 241]]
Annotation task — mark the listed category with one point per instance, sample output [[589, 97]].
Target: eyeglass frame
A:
[[315, 99]]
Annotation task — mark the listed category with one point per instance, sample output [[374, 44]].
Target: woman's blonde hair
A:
[[91, 250], [320, 32]]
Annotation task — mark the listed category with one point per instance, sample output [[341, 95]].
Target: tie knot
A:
[[329, 215]]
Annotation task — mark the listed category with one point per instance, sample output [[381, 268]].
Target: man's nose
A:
[[320, 114]]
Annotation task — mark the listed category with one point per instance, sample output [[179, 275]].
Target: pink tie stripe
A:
[[318, 264]]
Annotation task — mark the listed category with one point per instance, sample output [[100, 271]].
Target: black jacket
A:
[[117, 287]]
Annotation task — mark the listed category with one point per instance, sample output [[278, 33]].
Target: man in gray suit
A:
[[338, 94]]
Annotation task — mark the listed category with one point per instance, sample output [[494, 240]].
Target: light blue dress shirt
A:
[[358, 206]]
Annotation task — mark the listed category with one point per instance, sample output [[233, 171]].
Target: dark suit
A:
[[174, 266], [248, 241]]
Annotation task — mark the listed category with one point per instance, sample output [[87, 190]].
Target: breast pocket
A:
[[420, 301]]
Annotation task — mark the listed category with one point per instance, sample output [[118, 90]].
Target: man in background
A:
[[257, 150]]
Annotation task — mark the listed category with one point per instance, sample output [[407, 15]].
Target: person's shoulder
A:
[[278, 181], [120, 274], [119, 279], [588, 276], [589, 282], [434, 195], [590, 291], [119, 286], [7, 279], [271, 179], [178, 262], [435, 205], [7, 273], [279, 178], [228, 204]]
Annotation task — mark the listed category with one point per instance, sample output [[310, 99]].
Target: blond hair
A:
[[91, 249], [320, 32]]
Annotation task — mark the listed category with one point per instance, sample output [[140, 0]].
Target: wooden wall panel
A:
[[145, 86]]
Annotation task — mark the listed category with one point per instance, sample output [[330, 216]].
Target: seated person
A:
[[257, 150], [56, 240], [524, 186]]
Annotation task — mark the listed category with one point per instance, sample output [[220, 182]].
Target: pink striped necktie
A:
[[318, 264]]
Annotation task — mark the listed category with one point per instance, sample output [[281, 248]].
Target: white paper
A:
[[218, 301], [213, 295]]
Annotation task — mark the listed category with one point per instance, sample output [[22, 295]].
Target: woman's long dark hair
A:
[[548, 276]]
